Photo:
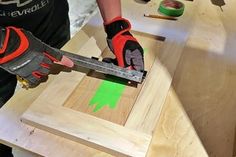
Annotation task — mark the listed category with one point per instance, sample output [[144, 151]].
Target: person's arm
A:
[[126, 48], [109, 9]]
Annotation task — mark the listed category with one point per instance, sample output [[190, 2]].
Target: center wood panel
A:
[[85, 91]]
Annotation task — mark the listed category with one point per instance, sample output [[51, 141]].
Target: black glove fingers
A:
[[134, 59], [128, 57], [52, 54], [27, 69], [38, 76], [39, 70], [137, 60], [136, 64], [133, 55], [133, 45], [46, 63], [43, 71], [33, 81], [43, 67]]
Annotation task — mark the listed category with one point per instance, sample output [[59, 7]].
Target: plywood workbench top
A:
[[174, 134]]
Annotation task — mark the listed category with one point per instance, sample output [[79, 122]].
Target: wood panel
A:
[[80, 98]]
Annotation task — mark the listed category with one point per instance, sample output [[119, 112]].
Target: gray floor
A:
[[80, 12]]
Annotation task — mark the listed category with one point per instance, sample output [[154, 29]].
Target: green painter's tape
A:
[[108, 93], [145, 50], [171, 8]]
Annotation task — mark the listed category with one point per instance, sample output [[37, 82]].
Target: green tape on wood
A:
[[108, 93], [145, 50], [171, 8]]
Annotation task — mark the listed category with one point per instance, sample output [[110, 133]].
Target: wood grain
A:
[[149, 103], [152, 98], [81, 96], [173, 135], [89, 130], [205, 79]]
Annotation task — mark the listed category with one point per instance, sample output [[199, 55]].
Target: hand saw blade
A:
[[103, 67]]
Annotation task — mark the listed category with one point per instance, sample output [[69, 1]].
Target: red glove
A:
[[24, 55], [126, 48]]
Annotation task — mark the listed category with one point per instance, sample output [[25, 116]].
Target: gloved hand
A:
[[126, 48], [24, 55]]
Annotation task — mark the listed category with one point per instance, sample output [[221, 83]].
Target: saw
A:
[[98, 66]]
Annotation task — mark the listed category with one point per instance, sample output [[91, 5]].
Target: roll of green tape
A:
[[171, 8]]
